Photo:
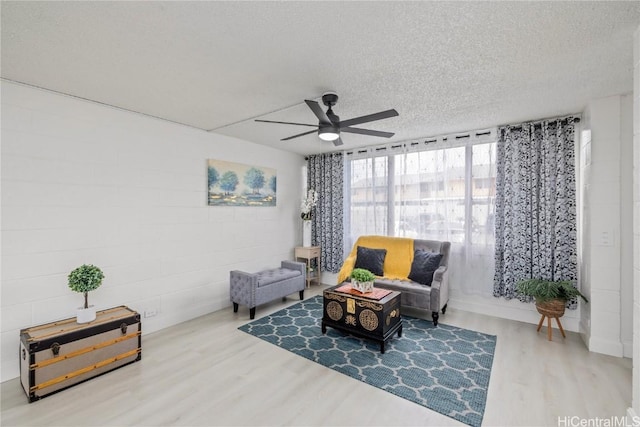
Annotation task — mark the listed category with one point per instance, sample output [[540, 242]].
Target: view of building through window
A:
[[444, 194]]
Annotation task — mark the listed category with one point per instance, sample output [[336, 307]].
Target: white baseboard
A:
[[585, 332], [165, 320], [627, 349], [329, 278], [511, 310], [611, 348]]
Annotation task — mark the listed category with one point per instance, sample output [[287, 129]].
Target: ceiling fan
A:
[[330, 126]]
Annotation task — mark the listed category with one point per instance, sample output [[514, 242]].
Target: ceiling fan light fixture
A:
[[328, 133], [330, 126]]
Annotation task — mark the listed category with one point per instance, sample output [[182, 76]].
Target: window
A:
[[483, 196], [430, 188], [441, 194], [480, 183], [425, 194], [368, 205]]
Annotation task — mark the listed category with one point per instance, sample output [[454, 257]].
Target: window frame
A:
[[441, 143]]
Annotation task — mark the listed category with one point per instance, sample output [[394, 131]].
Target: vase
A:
[[363, 287], [306, 233], [86, 315]]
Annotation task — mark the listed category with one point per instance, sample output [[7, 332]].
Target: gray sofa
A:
[[434, 297], [253, 289]]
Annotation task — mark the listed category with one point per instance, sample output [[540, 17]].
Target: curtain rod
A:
[[575, 117], [461, 135], [429, 140]]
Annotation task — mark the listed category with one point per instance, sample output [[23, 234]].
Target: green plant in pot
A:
[[362, 280], [551, 296], [85, 279]]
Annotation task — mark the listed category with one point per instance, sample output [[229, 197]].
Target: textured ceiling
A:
[[445, 66]]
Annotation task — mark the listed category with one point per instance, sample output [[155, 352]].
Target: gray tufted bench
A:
[[253, 289]]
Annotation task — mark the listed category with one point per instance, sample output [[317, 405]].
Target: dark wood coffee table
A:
[[362, 315]]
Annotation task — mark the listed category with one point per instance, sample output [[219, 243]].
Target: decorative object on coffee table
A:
[[362, 280], [551, 298], [84, 279]]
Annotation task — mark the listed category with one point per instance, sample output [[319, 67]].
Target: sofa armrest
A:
[[294, 265], [440, 289], [242, 287], [346, 269], [439, 276], [237, 276]]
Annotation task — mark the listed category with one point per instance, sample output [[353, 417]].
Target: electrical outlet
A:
[[150, 313]]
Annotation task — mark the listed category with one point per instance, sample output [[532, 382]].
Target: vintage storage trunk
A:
[[60, 354], [364, 315]]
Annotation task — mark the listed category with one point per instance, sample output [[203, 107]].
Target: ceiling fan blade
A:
[[338, 142], [300, 134], [285, 123], [315, 107], [369, 118], [367, 132]]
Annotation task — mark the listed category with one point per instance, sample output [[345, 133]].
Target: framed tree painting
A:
[[236, 184]]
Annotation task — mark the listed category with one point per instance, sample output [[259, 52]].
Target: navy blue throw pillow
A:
[[424, 264], [371, 259]]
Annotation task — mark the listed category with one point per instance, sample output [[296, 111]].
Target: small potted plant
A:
[[362, 280], [551, 296], [84, 279]]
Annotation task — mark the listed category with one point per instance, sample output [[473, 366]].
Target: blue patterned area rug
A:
[[443, 368]]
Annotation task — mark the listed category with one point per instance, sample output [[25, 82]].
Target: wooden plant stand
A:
[[549, 332], [551, 309]]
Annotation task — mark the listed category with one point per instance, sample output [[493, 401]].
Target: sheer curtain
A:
[[325, 175], [536, 205], [366, 195], [443, 192]]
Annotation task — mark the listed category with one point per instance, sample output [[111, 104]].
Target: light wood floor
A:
[[206, 372]]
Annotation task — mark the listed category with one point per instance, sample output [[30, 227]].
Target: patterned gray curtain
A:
[[325, 174], [535, 224]]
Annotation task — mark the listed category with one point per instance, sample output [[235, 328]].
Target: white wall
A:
[[607, 245], [626, 224], [584, 225], [634, 410], [86, 183]]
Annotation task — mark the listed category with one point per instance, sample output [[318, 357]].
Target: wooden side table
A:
[[309, 253]]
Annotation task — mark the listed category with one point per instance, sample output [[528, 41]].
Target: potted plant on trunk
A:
[[84, 279], [551, 298], [362, 280]]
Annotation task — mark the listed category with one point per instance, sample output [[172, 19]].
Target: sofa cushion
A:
[[371, 259], [424, 264], [268, 277], [413, 294]]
